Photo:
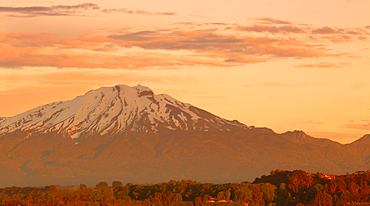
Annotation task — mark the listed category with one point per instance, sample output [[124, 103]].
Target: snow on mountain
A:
[[117, 109]]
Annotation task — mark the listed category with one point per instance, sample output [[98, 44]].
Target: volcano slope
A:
[[132, 135]]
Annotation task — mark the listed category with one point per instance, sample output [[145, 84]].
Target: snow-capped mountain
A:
[[111, 110], [131, 134]]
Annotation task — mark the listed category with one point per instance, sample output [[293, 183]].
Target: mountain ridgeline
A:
[[130, 134]]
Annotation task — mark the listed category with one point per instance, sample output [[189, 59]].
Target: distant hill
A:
[[132, 135]]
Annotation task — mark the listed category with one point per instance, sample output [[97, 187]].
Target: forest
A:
[[278, 188]]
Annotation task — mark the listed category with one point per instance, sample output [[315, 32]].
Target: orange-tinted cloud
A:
[[323, 65], [204, 44], [142, 12], [229, 47], [271, 29], [273, 84], [266, 20], [358, 126], [71, 10], [24, 49], [339, 35], [324, 30], [57, 10], [270, 26]]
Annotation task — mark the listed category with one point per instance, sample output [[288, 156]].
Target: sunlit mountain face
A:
[[133, 135]]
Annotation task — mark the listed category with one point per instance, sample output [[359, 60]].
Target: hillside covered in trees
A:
[[279, 188]]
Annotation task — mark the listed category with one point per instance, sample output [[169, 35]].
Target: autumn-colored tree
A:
[[300, 179], [283, 196], [177, 197], [167, 198], [3, 198], [344, 198], [227, 195], [116, 184], [323, 199], [198, 201], [83, 187], [102, 184], [221, 196]]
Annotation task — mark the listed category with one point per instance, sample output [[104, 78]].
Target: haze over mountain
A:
[[132, 135]]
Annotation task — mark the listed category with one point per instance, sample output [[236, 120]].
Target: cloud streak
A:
[[323, 65], [273, 84], [271, 29], [216, 44], [72, 10]]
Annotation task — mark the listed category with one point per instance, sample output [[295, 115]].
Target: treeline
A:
[[279, 188]]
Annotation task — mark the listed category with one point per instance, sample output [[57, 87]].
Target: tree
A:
[[167, 198], [242, 196], [221, 196], [227, 195], [102, 193], [283, 196], [83, 187], [344, 198], [323, 199], [51, 188], [116, 184], [102, 184], [198, 201], [3, 198], [121, 193], [177, 197]]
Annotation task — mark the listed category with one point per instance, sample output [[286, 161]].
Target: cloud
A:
[[339, 35], [201, 44], [72, 10], [139, 36], [273, 84], [229, 47], [57, 10], [142, 12], [271, 29], [358, 126], [266, 20], [323, 65], [324, 30], [363, 124], [208, 47]]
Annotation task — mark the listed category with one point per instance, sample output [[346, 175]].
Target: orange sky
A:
[[286, 65]]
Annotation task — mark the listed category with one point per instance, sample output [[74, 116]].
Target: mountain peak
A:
[[301, 137], [117, 109], [363, 140]]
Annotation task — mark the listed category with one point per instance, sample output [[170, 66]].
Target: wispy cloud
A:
[[273, 84], [204, 44], [271, 29], [363, 124], [324, 30], [323, 65], [266, 20], [358, 126], [310, 33], [142, 12], [71, 10]]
